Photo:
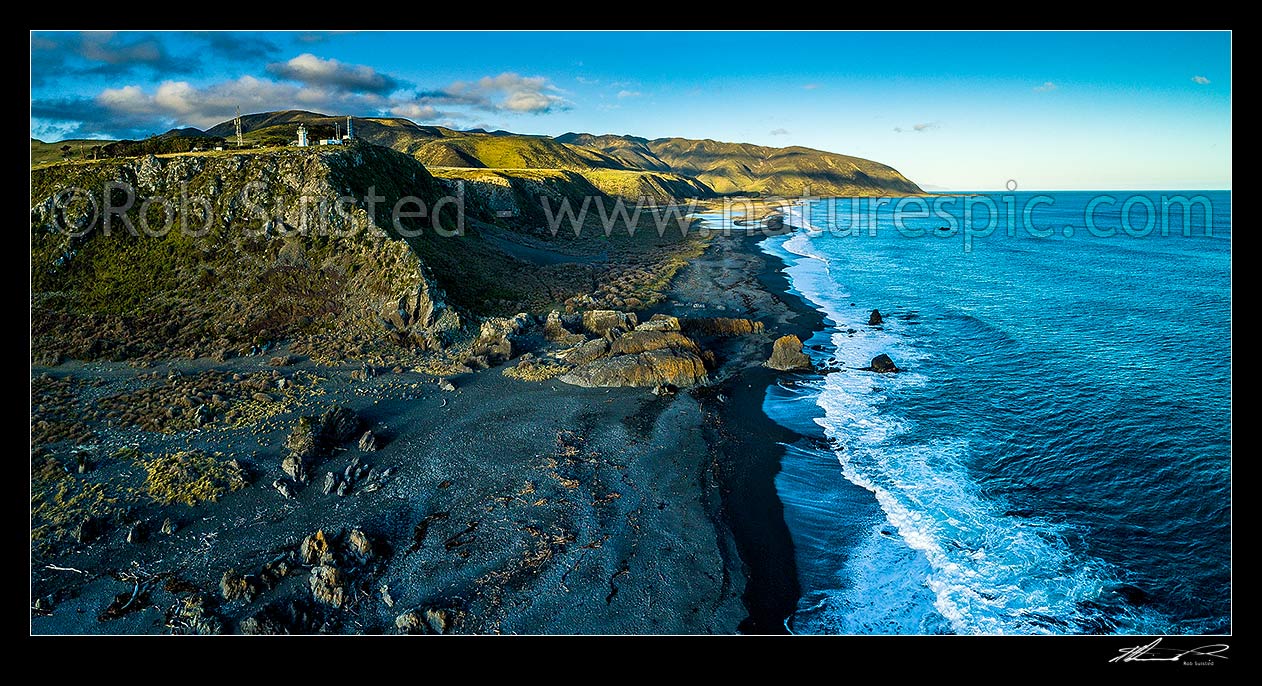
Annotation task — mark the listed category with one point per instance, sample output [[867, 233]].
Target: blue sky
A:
[[960, 111]]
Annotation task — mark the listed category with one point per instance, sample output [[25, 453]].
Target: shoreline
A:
[[746, 441]]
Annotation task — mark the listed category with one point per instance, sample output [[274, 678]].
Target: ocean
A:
[[1055, 456]]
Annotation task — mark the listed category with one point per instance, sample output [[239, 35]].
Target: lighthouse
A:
[[349, 135], [302, 136]]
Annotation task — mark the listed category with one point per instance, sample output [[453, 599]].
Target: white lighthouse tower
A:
[[349, 135], [302, 136]]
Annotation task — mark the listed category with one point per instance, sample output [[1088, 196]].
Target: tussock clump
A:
[[535, 370], [191, 477]]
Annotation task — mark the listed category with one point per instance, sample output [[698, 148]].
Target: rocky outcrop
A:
[[875, 318], [608, 324], [313, 437], [719, 326], [555, 330], [883, 364], [258, 250], [646, 370], [585, 352], [660, 322], [495, 341], [787, 355], [644, 341]]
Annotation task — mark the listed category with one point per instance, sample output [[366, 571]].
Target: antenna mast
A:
[[237, 121]]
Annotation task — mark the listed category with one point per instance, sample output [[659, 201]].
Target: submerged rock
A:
[[787, 355], [883, 364]]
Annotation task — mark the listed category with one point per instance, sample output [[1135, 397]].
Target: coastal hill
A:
[[746, 168]]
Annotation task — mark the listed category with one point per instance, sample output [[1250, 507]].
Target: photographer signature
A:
[[1152, 653]]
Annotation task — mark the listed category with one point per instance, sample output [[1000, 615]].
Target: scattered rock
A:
[[554, 329], [787, 355], [137, 533], [411, 622], [282, 360], [774, 222], [446, 385], [168, 527], [295, 467], [330, 483], [368, 442], [875, 319], [234, 586], [883, 364], [358, 545], [339, 425], [328, 585], [665, 389], [586, 352], [315, 549], [385, 595], [285, 487], [439, 620], [85, 530]]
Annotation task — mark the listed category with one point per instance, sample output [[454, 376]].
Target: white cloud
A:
[[508, 91], [810, 86], [779, 132], [629, 94], [314, 71], [926, 126], [586, 81], [178, 102], [1047, 86], [1201, 80]]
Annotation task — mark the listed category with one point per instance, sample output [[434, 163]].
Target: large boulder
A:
[[875, 318], [719, 326], [644, 341], [787, 355], [883, 364], [313, 437], [608, 324], [646, 370]]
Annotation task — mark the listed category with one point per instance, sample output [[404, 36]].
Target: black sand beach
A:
[[512, 507]]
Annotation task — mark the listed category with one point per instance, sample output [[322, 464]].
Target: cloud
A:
[[1201, 80], [919, 128], [629, 94], [508, 92], [312, 37], [1047, 86], [102, 53], [779, 132], [810, 86], [314, 71], [240, 47], [586, 81]]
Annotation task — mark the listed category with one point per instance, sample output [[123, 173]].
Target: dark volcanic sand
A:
[[661, 518]]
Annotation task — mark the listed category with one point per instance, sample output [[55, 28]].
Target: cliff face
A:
[[228, 251]]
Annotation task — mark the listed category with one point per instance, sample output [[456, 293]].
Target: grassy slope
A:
[[50, 153], [743, 167]]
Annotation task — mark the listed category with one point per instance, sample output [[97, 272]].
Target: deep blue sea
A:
[[1055, 456]]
